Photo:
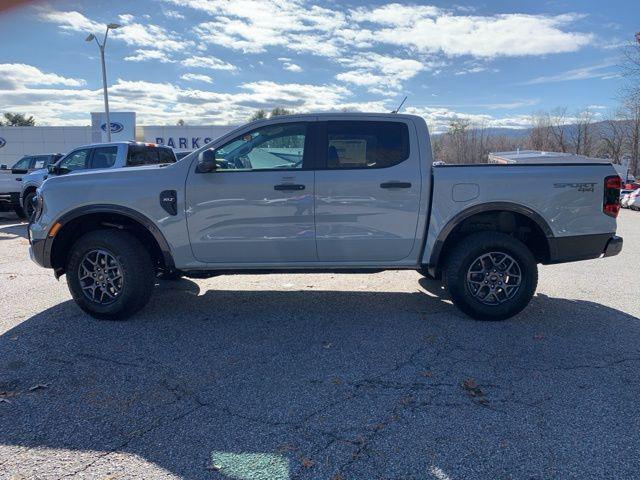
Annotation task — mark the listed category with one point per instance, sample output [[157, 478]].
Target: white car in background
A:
[[633, 200], [624, 198]]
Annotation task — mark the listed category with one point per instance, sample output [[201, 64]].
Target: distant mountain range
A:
[[516, 133]]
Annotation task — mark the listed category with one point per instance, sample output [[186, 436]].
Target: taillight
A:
[[611, 205]]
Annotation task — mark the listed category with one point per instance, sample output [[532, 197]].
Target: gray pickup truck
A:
[[340, 192]]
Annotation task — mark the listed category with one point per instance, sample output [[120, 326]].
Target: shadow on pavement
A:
[[15, 230], [312, 384]]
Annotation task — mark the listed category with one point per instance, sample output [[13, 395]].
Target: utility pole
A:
[[111, 26]]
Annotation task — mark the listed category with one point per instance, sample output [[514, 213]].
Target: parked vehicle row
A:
[[630, 199], [27, 175], [12, 180], [327, 192]]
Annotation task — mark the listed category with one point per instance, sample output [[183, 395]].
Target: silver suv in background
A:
[[93, 157], [11, 179]]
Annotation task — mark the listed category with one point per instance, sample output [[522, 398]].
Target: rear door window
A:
[[104, 157], [363, 144], [145, 155], [41, 161]]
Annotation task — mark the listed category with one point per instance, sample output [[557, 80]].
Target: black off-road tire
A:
[[459, 261], [19, 212], [27, 205], [137, 272]]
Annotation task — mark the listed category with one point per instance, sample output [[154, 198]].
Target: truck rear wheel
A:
[[491, 276], [110, 274]]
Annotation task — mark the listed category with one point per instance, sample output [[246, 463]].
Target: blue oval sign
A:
[[115, 127], [3, 142]]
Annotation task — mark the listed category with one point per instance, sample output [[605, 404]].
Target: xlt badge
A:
[[169, 201]]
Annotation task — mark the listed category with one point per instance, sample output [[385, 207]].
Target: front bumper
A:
[[39, 253]]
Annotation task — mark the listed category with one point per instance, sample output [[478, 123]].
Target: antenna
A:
[[399, 106]]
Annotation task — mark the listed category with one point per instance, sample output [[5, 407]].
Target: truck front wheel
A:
[[110, 274], [490, 276]]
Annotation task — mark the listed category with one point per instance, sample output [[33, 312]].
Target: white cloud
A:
[[380, 73], [601, 70], [299, 25], [173, 14], [144, 36], [17, 75], [72, 21], [196, 77], [287, 64], [141, 55], [208, 62], [254, 25]]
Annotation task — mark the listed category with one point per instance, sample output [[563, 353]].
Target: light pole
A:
[[111, 26]]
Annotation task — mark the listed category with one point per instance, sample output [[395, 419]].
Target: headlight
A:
[[37, 203]]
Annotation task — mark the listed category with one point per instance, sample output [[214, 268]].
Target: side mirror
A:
[[53, 169], [206, 162]]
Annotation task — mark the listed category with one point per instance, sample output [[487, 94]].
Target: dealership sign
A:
[[115, 127], [121, 125], [3, 142], [183, 142]]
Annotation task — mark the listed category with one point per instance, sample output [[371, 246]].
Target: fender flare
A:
[[481, 208], [134, 215]]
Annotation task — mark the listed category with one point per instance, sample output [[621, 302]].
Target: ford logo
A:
[[3, 142], [115, 127]]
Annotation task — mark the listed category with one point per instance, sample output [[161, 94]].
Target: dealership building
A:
[[16, 142]]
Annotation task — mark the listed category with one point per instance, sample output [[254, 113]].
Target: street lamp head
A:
[[113, 26], [90, 38]]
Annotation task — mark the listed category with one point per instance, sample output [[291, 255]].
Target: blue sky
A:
[[215, 61]]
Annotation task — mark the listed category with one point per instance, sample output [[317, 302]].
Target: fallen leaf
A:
[[307, 462], [286, 447], [337, 476], [538, 336], [336, 381], [427, 373], [471, 387], [327, 344], [406, 400]]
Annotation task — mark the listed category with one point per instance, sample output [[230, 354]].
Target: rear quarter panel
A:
[[568, 197]]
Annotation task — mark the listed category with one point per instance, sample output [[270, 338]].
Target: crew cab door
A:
[[257, 206], [368, 193]]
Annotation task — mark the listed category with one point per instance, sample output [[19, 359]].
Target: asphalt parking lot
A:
[[322, 376]]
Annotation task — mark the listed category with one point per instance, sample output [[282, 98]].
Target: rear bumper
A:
[[583, 247], [614, 246]]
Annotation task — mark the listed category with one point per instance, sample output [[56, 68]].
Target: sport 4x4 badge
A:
[[581, 187]]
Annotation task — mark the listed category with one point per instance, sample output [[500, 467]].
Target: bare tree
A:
[[580, 134], [540, 134], [613, 134], [558, 123]]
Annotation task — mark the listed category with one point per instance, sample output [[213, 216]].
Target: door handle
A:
[[288, 186], [395, 185]]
